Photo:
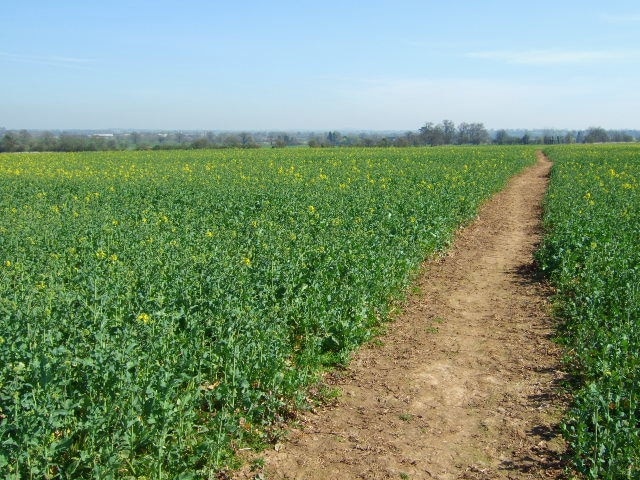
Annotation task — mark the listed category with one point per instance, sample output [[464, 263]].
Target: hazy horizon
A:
[[308, 66]]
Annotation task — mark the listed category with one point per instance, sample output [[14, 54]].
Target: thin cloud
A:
[[51, 60], [555, 57]]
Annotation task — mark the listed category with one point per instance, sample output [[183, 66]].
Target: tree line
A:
[[25, 141], [447, 133], [443, 133]]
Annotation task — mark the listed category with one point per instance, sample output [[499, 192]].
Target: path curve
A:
[[463, 385]]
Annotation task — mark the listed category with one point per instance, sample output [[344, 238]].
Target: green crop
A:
[[160, 309], [592, 253]]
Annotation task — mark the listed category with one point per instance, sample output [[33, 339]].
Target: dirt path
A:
[[462, 386]]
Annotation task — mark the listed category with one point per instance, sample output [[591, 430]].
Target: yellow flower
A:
[[101, 255], [144, 318], [312, 209], [246, 261], [8, 263]]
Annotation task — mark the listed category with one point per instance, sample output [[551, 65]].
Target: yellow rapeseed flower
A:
[[144, 318]]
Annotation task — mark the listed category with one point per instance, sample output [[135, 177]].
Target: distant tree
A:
[[409, 139], [9, 143], [479, 134], [412, 138], [401, 142], [424, 133], [280, 140], [619, 136], [432, 134], [25, 139], [443, 133], [463, 134], [47, 142], [247, 140], [596, 135], [211, 138], [502, 138], [448, 132], [231, 141], [472, 133], [70, 143], [334, 138], [366, 140], [200, 143]]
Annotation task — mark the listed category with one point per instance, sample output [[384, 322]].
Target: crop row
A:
[[158, 309], [592, 254]]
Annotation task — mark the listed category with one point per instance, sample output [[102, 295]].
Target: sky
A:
[[318, 65]]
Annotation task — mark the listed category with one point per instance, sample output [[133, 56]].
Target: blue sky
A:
[[302, 65]]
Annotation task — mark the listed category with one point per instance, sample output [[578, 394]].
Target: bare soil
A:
[[464, 385]]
